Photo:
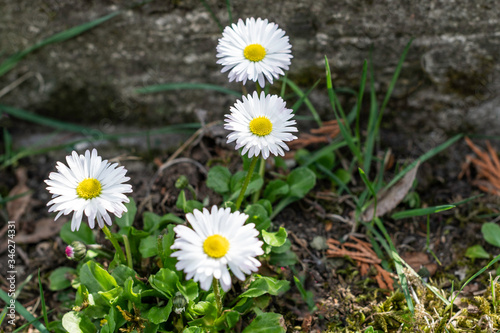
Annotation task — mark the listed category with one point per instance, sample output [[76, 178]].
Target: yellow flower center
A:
[[254, 52], [89, 188], [216, 246], [261, 126]]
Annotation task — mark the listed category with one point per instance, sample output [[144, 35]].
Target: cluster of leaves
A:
[[146, 298]]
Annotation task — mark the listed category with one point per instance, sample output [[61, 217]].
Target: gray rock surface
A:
[[449, 82]]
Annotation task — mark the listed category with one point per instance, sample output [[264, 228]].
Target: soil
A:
[[339, 287]]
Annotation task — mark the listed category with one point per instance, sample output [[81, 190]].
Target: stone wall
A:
[[449, 82]]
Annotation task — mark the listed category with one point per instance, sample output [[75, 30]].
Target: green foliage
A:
[[491, 233], [307, 296], [109, 298], [266, 323], [61, 277]]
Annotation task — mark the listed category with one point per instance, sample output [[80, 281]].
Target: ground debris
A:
[[364, 256], [487, 165]]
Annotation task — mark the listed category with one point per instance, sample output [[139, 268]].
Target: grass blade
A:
[[24, 313], [421, 211], [41, 120], [332, 176], [7, 139], [299, 93], [42, 300], [229, 14], [186, 86], [423, 158], [371, 130], [318, 153], [283, 86], [212, 14], [360, 101], [393, 82], [341, 119], [10, 62], [301, 100]]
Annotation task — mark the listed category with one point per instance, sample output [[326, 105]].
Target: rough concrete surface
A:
[[449, 82]]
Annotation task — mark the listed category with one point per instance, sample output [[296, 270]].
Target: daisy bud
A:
[[179, 302], [182, 182], [76, 251]]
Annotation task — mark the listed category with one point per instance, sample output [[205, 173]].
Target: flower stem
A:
[[262, 169], [218, 298], [129, 253], [113, 241], [247, 181]]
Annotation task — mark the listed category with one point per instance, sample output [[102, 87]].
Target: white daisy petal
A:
[[260, 125], [88, 186], [254, 50], [218, 241]]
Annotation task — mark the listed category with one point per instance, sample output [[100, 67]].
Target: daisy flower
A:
[[260, 125], [253, 51], [89, 185], [218, 239]]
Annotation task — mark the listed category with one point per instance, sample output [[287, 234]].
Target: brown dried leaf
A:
[[44, 229], [17, 207], [418, 260], [388, 200]]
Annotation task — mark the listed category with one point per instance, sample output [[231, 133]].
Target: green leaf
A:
[[151, 221], [258, 215], [59, 279], [283, 255], [121, 273], [128, 217], [267, 205], [149, 246], [301, 181], [275, 239], [218, 179], [267, 322], [343, 175], [188, 206], [188, 289], [307, 296], [167, 242], [160, 314], [110, 324], [491, 233], [111, 296], [165, 281], [129, 293], [227, 320], [95, 278], [275, 190], [171, 218], [477, 252], [202, 307], [84, 234], [77, 322], [266, 285]]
